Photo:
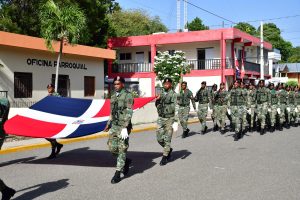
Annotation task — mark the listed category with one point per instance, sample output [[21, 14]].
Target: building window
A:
[[125, 56], [89, 86], [22, 85], [171, 52]]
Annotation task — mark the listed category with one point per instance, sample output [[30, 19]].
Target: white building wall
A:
[[145, 87], [15, 60]]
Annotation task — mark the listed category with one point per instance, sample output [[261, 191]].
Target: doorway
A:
[[63, 85]]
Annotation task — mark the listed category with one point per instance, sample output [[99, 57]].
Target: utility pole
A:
[[262, 50], [178, 15], [185, 15]]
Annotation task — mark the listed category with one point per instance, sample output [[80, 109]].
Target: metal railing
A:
[[209, 64], [21, 104], [131, 67]]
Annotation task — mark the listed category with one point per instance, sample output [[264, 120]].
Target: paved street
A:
[[212, 166]]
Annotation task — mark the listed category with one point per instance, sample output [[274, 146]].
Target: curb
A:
[[74, 140]]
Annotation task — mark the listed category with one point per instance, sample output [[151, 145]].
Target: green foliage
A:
[[295, 57], [171, 66], [246, 27], [196, 25], [134, 22], [292, 83], [61, 22]]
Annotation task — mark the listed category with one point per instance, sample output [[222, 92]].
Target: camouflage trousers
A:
[[220, 114], [262, 111], [292, 114], [244, 116], [273, 114], [202, 113], [213, 114], [2, 135], [298, 112], [2, 185], [282, 113], [117, 146], [237, 117], [252, 115], [183, 115], [164, 133]]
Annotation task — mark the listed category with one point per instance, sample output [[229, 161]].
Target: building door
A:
[[140, 60], [201, 58], [63, 84]]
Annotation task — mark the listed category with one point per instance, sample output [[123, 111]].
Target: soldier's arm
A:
[[174, 101], [193, 100], [108, 124], [196, 96], [129, 109]]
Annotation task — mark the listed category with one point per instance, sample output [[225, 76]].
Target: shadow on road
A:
[[42, 189], [21, 160]]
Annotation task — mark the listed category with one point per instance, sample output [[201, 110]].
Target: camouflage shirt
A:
[[262, 95], [202, 96], [274, 97], [221, 97], [166, 105], [237, 97], [283, 96], [184, 98]]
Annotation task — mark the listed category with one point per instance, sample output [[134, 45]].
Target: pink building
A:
[[212, 54]]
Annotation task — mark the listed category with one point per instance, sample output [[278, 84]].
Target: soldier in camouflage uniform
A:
[[167, 109], [213, 92], [55, 146], [6, 191], [291, 106], [263, 102], [119, 127], [274, 105], [251, 106], [4, 110], [297, 105], [236, 102], [283, 100], [183, 100], [244, 107], [203, 98], [221, 102]]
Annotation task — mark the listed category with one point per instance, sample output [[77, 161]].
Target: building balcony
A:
[[209, 64], [131, 67]]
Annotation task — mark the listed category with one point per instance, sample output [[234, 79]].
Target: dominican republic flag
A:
[[59, 117]]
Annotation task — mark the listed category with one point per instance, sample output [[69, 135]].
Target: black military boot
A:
[[222, 131], [272, 129], [185, 133], [170, 154], [250, 129], [262, 131], [287, 125], [116, 178], [58, 148], [164, 160], [215, 128], [280, 127], [126, 166], [205, 129], [236, 136], [53, 154], [7, 193]]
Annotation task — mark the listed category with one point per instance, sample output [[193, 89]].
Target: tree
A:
[[246, 27], [134, 22], [171, 66], [272, 34], [196, 25], [295, 55], [61, 22]]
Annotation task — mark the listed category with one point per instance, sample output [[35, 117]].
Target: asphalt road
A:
[[212, 166]]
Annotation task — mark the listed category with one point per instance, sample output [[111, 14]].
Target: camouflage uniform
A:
[[275, 104], [251, 106], [167, 114], [291, 104], [203, 98], [244, 107], [221, 101], [283, 100], [212, 106], [297, 105], [4, 110], [183, 100], [121, 114], [236, 102], [263, 101]]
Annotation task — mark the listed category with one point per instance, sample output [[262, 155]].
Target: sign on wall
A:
[[50, 63]]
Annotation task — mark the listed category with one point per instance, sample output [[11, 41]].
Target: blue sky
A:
[[233, 10]]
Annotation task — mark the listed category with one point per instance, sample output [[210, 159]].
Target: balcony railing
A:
[[209, 64], [131, 67], [249, 66]]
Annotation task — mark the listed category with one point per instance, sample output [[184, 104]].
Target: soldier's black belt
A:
[[167, 115], [184, 105]]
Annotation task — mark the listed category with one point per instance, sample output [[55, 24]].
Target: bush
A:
[[292, 83]]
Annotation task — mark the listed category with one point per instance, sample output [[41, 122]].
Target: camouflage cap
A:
[[203, 82], [119, 78], [168, 80], [50, 85]]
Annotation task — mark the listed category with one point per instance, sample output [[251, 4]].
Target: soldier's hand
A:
[[158, 97], [175, 126], [124, 134], [106, 129]]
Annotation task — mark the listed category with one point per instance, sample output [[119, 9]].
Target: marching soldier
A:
[[244, 107], [119, 127], [263, 101], [4, 110], [221, 101], [291, 105], [55, 146], [274, 102], [183, 100], [213, 92], [251, 106], [166, 104], [297, 105], [202, 97], [7, 192], [283, 101], [236, 100]]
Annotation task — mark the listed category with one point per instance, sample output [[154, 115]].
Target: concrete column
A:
[[223, 56]]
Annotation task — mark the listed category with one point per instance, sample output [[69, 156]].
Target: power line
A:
[[209, 12]]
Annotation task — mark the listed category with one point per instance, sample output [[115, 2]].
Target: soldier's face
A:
[[167, 85], [202, 85], [271, 87], [261, 84], [236, 85], [118, 85], [50, 89], [222, 87], [183, 86]]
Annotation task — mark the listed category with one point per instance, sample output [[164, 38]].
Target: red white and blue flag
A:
[[59, 117]]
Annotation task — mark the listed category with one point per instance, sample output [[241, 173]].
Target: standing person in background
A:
[[203, 98], [55, 146], [167, 109], [183, 100], [119, 127]]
